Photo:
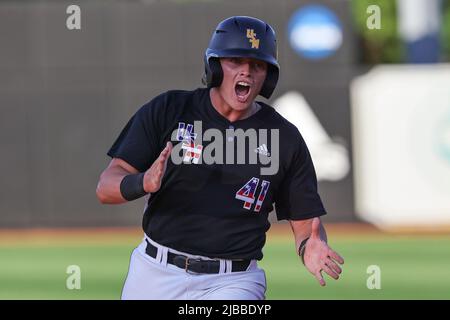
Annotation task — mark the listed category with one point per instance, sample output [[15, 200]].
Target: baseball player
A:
[[205, 221]]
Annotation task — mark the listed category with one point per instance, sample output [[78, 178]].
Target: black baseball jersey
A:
[[218, 210]]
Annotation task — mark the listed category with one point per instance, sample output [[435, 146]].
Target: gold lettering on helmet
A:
[[251, 35]]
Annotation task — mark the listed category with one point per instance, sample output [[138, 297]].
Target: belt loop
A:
[[164, 252], [159, 254], [223, 266], [229, 266]]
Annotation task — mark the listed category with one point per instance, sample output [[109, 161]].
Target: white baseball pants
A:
[[154, 279]]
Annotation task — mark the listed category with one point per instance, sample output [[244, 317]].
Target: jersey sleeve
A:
[[297, 197], [138, 143]]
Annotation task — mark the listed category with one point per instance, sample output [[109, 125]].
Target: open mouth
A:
[[242, 90]]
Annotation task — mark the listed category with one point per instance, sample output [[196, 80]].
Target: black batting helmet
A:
[[242, 37]]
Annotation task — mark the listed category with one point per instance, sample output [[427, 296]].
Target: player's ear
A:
[[213, 72]]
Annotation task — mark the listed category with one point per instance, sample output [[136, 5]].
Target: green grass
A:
[[411, 268]]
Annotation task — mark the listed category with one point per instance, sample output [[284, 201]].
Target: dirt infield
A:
[[132, 235], [58, 236], [54, 236]]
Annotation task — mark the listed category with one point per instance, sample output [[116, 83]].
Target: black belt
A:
[[196, 265]]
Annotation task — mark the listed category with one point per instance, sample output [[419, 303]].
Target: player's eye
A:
[[235, 60], [259, 66]]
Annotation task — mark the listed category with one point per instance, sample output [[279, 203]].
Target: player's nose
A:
[[245, 68]]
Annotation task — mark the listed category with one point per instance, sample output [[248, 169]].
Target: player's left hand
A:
[[320, 257]]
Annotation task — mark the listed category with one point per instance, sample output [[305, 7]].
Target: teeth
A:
[[242, 83]]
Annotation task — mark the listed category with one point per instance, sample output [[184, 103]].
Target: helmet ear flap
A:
[[270, 83], [213, 72]]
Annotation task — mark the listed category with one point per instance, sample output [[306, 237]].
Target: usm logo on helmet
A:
[[251, 35]]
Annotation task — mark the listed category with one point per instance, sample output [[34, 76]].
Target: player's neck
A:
[[227, 111]]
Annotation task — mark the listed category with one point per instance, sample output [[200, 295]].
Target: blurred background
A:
[[366, 81]]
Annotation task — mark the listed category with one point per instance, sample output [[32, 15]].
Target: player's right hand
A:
[[153, 176]]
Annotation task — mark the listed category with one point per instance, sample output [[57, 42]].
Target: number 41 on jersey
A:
[[247, 193]]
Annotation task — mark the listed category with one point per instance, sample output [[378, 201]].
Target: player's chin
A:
[[237, 105]]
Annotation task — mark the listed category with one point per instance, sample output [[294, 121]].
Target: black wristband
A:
[[301, 249], [132, 186]]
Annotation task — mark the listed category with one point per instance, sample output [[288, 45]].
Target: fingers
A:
[[154, 175], [168, 152], [164, 155], [319, 277], [160, 163], [335, 256], [330, 272], [333, 265]]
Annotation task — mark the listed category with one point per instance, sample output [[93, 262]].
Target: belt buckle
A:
[[186, 264]]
